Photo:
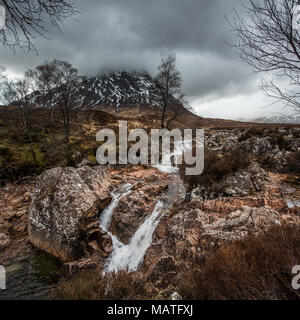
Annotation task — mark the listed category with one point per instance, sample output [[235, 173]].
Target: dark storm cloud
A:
[[135, 34]]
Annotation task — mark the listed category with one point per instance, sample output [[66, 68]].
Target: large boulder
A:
[[269, 153], [243, 182], [65, 207]]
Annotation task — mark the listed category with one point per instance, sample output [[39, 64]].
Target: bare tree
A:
[[18, 92], [268, 40], [168, 82], [25, 20], [43, 77], [67, 97]]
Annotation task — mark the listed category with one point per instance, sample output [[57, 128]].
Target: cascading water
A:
[[129, 257], [106, 216], [166, 162]]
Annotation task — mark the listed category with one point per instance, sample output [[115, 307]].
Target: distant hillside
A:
[[295, 119]]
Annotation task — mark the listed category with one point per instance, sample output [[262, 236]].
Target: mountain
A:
[[120, 89], [116, 90], [293, 119]]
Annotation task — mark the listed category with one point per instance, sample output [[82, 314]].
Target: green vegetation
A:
[[25, 152], [47, 266]]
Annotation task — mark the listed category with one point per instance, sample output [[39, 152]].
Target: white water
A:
[[166, 162], [107, 213], [129, 257]]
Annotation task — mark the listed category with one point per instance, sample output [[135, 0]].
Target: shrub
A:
[[255, 268], [91, 285], [216, 167], [294, 162], [250, 133], [280, 140]]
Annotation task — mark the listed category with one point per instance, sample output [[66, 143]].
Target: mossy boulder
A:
[[64, 202]]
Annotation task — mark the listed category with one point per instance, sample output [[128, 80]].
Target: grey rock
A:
[[64, 201]]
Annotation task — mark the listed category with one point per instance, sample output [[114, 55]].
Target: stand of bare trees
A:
[[44, 82], [26, 20], [268, 39], [53, 86], [18, 91]]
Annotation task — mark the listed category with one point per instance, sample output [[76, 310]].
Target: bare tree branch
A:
[[267, 41], [28, 19]]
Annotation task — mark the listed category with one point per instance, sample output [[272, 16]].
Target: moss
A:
[[92, 157], [47, 266]]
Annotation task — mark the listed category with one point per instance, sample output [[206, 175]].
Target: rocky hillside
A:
[[116, 91], [121, 89]]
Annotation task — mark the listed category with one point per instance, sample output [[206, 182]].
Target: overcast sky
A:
[[112, 35]]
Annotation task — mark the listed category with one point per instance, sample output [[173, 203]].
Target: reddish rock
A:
[[4, 241]]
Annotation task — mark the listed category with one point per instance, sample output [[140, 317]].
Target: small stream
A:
[[129, 257]]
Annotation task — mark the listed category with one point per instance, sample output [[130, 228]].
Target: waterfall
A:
[[129, 257], [106, 215], [166, 162]]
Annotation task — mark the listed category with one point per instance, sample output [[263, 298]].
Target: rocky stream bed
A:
[[137, 217]]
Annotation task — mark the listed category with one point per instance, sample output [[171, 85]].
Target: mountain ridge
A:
[[280, 119], [116, 90]]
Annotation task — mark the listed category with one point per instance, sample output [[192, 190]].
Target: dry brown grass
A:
[[256, 268], [90, 285]]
